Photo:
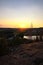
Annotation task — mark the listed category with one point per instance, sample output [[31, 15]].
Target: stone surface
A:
[[25, 54]]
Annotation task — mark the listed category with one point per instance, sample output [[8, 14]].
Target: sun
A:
[[23, 25]]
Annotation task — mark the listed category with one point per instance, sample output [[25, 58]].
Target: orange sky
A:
[[21, 13], [23, 24]]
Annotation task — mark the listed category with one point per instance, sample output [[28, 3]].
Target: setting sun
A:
[[22, 26]]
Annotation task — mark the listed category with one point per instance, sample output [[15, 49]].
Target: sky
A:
[[21, 13]]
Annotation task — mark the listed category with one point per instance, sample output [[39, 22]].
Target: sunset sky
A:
[[21, 13]]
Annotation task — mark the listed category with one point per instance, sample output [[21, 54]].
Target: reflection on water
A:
[[32, 37]]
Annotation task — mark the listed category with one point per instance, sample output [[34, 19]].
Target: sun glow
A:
[[22, 26]]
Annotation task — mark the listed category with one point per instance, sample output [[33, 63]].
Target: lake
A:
[[32, 37]]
